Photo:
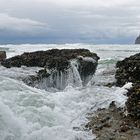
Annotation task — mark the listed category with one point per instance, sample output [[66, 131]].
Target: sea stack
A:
[[137, 41]]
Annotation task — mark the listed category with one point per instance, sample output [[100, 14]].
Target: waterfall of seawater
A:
[[74, 77], [62, 79]]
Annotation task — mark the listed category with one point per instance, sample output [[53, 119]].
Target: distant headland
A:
[[137, 41]]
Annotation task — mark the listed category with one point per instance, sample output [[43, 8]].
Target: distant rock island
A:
[[137, 41]]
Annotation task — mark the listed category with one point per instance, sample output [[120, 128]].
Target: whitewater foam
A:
[[28, 113]]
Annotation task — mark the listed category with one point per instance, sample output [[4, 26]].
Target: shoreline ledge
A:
[[123, 123], [128, 70], [58, 67], [112, 124]]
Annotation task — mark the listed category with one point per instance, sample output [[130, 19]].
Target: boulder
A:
[[2, 55], [128, 70], [60, 67]]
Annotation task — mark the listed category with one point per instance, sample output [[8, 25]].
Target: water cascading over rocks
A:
[[61, 68]]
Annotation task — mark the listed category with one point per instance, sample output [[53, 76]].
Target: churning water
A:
[[28, 113]]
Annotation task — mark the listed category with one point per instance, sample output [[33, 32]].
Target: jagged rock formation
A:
[[2, 55], [137, 41], [128, 70], [51, 58], [60, 67]]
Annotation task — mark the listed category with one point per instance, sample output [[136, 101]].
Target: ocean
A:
[[28, 113]]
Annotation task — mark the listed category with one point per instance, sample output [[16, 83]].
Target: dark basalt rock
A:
[[2, 55], [137, 41], [56, 64], [86, 68], [51, 58], [128, 70], [133, 104]]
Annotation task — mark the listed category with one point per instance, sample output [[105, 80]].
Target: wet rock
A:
[[86, 67], [58, 66], [112, 105], [124, 128], [110, 124], [128, 70], [2, 55], [105, 119], [50, 58], [31, 80], [110, 84], [133, 104]]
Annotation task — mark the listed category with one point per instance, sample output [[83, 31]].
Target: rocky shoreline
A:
[[123, 123], [128, 70], [57, 65], [112, 124]]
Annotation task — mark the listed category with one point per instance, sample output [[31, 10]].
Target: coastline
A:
[[69, 106]]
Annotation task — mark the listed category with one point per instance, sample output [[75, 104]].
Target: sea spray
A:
[[61, 79], [75, 75], [29, 113]]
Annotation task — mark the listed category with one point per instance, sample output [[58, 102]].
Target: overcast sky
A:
[[69, 21]]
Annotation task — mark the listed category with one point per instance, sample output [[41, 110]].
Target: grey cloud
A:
[[81, 20], [8, 22]]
